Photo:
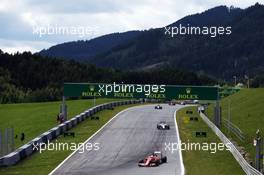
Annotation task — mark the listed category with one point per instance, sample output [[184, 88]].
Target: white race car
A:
[[163, 126], [158, 107]]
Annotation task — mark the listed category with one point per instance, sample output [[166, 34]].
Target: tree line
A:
[[26, 77]]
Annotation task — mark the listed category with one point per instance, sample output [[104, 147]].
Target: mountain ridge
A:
[[222, 57], [84, 49]]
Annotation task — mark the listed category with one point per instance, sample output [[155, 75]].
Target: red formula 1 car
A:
[[153, 160]]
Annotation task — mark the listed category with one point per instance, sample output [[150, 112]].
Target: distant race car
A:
[[155, 159], [163, 126], [172, 103], [158, 107], [183, 103], [196, 101]]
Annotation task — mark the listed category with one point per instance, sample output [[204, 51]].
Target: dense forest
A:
[[83, 50], [221, 57], [25, 77]]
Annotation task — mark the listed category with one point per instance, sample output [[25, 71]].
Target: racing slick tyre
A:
[[141, 161], [164, 159]]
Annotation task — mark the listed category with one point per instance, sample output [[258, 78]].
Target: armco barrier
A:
[[55, 132], [74, 122], [248, 169], [12, 158], [28, 149], [79, 118], [234, 129], [63, 127]]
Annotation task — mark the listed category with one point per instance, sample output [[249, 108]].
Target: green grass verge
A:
[[203, 162], [36, 118], [247, 113], [44, 163]]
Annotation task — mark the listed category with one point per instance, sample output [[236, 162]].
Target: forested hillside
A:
[[26, 77], [83, 50], [221, 57]]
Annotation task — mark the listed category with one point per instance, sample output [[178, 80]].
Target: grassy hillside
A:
[[36, 118], [202, 162], [43, 163], [247, 113]]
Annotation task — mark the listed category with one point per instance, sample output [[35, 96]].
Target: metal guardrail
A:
[[28, 149], [247, 168], [234, 129]]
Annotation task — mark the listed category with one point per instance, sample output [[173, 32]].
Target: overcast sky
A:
[[20, 20]]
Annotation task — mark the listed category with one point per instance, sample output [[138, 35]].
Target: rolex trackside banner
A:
[[140, 91]]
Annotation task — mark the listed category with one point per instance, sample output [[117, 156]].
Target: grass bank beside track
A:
[[247, 112], [44, 163], [34, 119], [203, 162]]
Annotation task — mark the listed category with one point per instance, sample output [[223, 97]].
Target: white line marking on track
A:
[[179, 142], [92, 137]]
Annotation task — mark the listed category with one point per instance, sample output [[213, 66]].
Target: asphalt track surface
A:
[[129, 137]]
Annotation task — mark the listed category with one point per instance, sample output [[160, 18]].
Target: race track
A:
[[124, 141]]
